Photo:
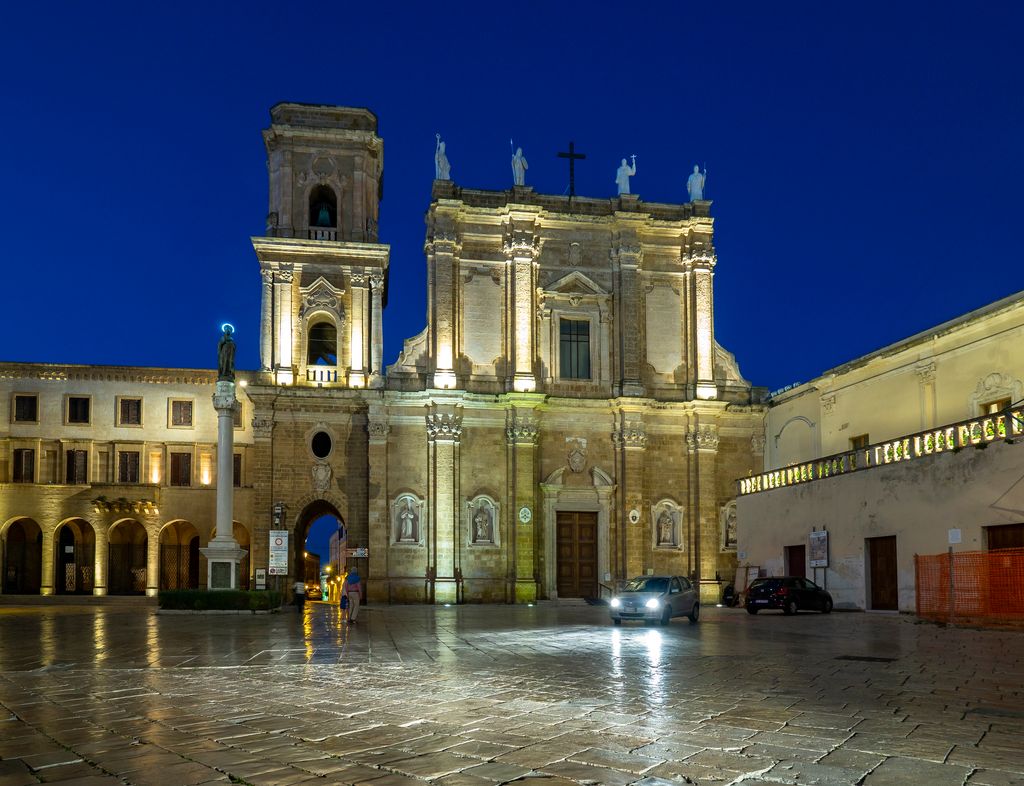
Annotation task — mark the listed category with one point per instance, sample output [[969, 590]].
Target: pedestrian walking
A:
[[300, 595], [354, 592]]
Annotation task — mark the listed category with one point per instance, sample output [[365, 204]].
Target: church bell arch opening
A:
[[323, 207]]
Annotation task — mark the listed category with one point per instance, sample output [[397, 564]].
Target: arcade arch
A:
[[126, 565], [314, 527], [22, 557], [179, 555], [74, 558]]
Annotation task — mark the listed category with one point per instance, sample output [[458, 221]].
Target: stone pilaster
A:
[[628, 257], [926, 386], [521, 432], [377, 428], [101, 560], [267, 321], [444, 432], [442, 262], [377, 331], [46, 584], [630, 441], [357, 334], [283, 314], [152, 561], [521, 250], [702, 442], [700, 264]]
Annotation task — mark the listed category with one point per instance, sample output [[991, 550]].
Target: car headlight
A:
[[652, 603], [615, 603]]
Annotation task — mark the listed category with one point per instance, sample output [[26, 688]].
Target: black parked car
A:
[[789, 593]]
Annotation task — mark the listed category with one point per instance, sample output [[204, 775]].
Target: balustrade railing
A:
[[322, 374], [323, 233], [967, 433]]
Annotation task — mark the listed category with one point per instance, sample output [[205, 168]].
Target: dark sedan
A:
[[789, 593]]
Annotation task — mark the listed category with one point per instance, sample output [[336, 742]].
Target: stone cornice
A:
[[63, 372], [292, 249]]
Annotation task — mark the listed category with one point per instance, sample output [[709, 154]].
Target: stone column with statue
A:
[[223, 554]]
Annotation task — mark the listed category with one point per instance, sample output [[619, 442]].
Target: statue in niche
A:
[[695, 183], [623, 174], [442, 169], [482, 525], [519, 167], [226, 355], [729, 526], [407, 523], [665, 529]]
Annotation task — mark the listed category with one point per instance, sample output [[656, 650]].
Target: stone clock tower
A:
[[324, 273]]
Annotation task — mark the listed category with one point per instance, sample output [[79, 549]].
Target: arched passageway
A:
[[319, 529], [179, 556], [23, 558], [74, 560], [127, 560]]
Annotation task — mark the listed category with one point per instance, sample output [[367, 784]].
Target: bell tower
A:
[[324, 273]]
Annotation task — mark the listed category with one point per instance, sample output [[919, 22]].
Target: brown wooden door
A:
[[882, 564], [1005, 536], [796, 561], [576, 549]]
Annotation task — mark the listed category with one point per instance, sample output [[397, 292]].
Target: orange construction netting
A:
[[986, 586]]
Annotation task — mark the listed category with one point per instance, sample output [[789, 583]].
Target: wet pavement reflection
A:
[[484, 695]]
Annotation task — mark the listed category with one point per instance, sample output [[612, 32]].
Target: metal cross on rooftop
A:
[[573, 157]]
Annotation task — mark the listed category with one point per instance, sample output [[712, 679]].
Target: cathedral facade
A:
[[565, 420]]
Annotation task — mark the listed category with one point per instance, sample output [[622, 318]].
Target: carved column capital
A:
[[377, 284], [267, 276], [285, 274], [703, 438], [757, 444], [631, 435], [378, 428], [925, 373], [444, 426], [522, 429], [262, 426], [828, 403]]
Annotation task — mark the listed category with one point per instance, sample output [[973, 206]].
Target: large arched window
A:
[[323, 207], [322, 345]]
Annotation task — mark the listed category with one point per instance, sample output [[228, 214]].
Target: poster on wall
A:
[[819, 549]]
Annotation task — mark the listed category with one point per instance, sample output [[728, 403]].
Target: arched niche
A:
[[323, 207], [482, 522]]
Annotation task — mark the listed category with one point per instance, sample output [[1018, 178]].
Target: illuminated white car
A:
[[655, 599]]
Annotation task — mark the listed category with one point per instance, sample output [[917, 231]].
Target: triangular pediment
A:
[[575, 284]]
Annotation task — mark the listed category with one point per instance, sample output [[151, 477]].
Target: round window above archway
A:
[[321, 444]]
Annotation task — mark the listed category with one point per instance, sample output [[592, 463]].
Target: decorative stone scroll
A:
[[667, 525], [321, 475], [407, 515], [727, 524], [322, 296], [994, 387], [481, 521]]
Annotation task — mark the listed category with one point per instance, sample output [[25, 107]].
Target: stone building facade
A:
[[566, 418]]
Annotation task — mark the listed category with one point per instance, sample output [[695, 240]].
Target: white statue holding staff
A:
[[442, 169], [519, 167], [695, 183], [623, 174]]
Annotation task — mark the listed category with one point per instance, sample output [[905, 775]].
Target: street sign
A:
[[278, 552], [261, 578], [362, 551], [819, 549]]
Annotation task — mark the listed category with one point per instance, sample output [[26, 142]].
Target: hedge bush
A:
[[219, 600]]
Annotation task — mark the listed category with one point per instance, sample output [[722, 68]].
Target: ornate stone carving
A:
[[378, 428], [757, 444], [702, 437], [262, 426], [521, 429], [727, 524], [377, 284], [667, 525], [630, 435], [321, 476], [444, 426], [925, 373], [321, 296], [284, 274], [575, 254], [358, 279], [995, 387], [828, 403], [577, 457], [482, 521]]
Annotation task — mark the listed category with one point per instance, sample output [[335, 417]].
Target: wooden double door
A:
[[576, 554], [882, 565]]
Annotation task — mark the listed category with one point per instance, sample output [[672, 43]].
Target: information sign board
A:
[[278, 565], [819, 549]]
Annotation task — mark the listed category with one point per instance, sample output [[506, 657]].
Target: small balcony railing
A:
[[323, 375], [956, 436], [323, 233]]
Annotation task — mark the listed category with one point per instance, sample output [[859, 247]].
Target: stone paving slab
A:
[[477, 696]]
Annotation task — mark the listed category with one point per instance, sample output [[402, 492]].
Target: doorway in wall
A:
[[577, 554], [883, 586], [1005, 536], [796, 561]]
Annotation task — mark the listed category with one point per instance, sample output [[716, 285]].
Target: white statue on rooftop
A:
[[442, 169], [519, 167], [695, 183], [623, 174]]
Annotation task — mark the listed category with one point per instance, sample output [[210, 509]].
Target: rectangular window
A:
[[129, 412], [181, 413], [238, 416], [26, 409], [574, 349], [236, 474], [24, 465], [181, 469], [128, 466], [77, 467], [859, 442], [78, 409], [993, 407]]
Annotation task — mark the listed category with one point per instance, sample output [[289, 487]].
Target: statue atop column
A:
[[226, 355], [695, 183], [519, 167], [623, 174], [442, 169]]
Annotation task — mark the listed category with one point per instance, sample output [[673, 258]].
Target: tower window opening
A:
[[323, 345], [323, 207]]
